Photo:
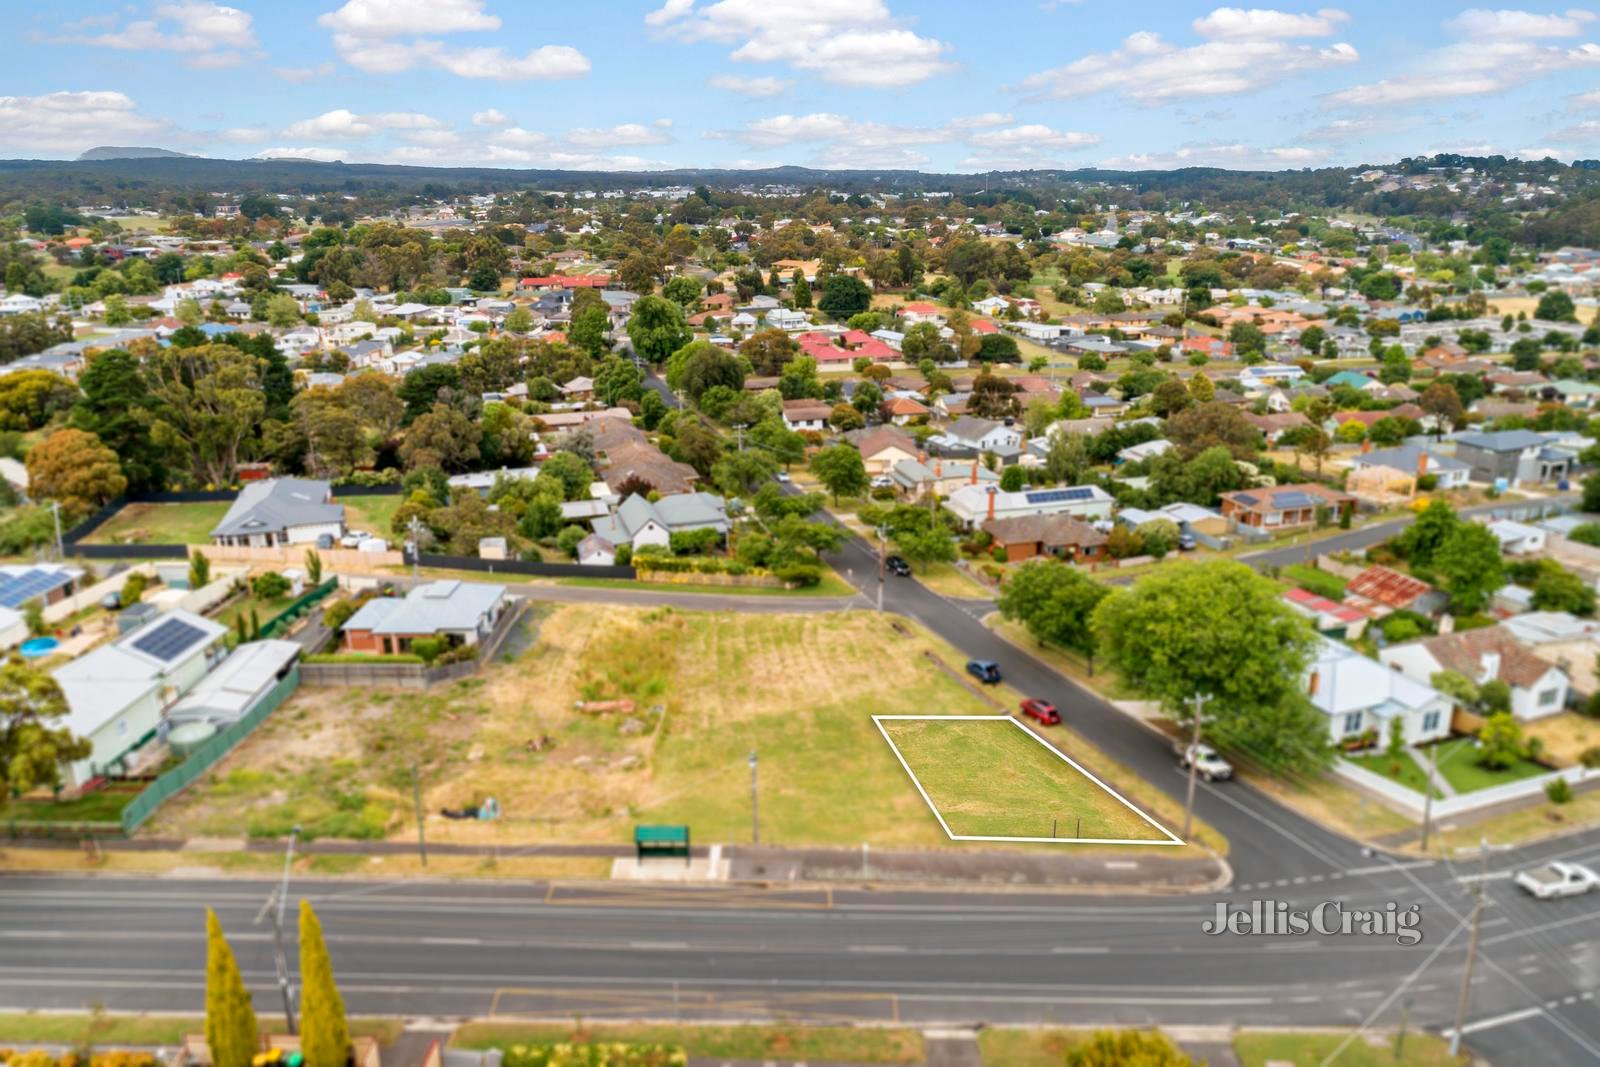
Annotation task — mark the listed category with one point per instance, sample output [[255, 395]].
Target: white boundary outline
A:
[[879, 720]]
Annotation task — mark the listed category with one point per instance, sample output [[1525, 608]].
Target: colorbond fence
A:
[[206, 755]]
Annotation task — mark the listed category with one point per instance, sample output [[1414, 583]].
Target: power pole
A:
[[1199, 701], [883, 562], [755, 808], [1427, 795], [55, 513], [275, 907], [416, 803], [1466, 972]]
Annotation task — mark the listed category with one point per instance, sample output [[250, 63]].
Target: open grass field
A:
[[162, 524], [993, 778], [709, 688]]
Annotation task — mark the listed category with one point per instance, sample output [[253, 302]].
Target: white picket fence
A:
[[1412, 802]]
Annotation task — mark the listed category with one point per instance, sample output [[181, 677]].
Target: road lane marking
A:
[[1493, 1021]]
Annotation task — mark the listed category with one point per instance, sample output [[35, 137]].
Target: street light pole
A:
[[1199, 701], [282, 959], [755, 804], [1466, 972]]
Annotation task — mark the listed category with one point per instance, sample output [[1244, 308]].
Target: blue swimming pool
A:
[[38, 647]]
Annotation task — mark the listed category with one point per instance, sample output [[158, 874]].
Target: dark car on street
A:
[[986, 671], [898, 566]]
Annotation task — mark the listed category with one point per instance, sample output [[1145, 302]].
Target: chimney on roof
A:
[[1311, 684], [1488, 666], [974, 472], [991, 503]]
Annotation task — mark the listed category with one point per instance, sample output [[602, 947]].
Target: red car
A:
[[1044, 712]]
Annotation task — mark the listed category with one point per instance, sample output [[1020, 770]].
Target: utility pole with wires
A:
[[1466, 970], [416, 544], [1427, 795], [1199, 701], [55, 513], [883, 562]]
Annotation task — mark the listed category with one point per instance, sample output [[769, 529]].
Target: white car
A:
[[1558, 879], [782, 476], [1207, 763], [883, 481], [354, 538]]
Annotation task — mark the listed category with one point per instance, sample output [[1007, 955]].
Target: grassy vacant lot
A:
[[709, 688], [991, 778], [845, 1044], [1566, 736], [162, 524], [265, 610], [831, 585], [103, 805]]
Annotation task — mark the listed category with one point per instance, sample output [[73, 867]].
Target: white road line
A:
[[1498, 1020]]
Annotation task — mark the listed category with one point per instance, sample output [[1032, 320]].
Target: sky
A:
[[935, 85]]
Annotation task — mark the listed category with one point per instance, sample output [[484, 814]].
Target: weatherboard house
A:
[[117, 693], [977, 504]]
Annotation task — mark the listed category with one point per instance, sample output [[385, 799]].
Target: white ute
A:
[[1206, 761], [1558, 880]]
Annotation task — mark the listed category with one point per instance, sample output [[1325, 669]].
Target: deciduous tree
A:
[[34, 742], [75, 469]]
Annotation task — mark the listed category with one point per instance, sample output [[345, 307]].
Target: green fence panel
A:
[[304, 603], [206, 755]]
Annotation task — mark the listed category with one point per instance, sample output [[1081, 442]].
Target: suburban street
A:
[[873, 954]]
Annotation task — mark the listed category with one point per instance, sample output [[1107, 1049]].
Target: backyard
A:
[[706, 689], [374, 514], [162, 524]]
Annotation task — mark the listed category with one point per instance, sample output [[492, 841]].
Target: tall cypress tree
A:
[[230, 1017], [324, 1034]]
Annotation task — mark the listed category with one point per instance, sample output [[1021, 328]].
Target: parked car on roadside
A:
[[1041, 711], [897, 565], [986, 671]]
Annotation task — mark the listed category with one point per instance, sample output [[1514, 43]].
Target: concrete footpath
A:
[[1081, 867]]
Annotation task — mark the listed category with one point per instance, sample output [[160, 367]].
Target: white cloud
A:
[[1585, 132], [391, 36], [1584, 101], [628, 133], [1498, 51], [211, 36], [342, 124], [1258, 24], [547, 63], [753, 87], [1221, 154], [1243, 51], [856, 43], [1034, 137], [517, 137], [321, 155], [245, 134], [491, 117], [69, 122], [408, 18], [1480, 23]]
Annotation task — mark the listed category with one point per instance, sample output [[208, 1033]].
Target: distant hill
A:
[[108, 152]]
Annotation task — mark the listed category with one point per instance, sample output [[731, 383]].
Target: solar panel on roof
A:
[[18, 589], [1293, 500], [168, 639]]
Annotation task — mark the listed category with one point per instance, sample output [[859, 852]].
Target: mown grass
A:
[[1401, 768], [1311, 1049], [162, 524], [1458, 765], [66, 1028], [991, 778], [758, 1043]]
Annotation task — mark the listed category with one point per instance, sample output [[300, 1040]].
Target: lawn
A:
[[708, 689], [1317, 581], [103, 805], [995, 778], [831, 585], [264, 610], [1459, 766], [1403, 769], [758, 1043], [1312, 1049], [373, 514], [66, 1028], [947, 579], [162, 524]]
